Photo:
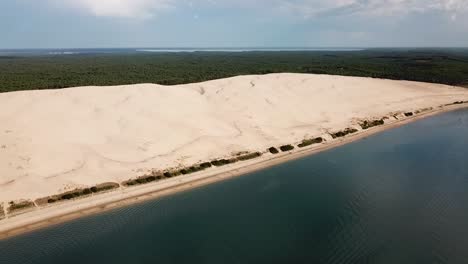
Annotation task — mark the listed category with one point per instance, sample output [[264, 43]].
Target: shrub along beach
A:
[[122, 144]]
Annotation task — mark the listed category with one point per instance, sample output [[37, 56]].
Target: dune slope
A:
[[57, 140]]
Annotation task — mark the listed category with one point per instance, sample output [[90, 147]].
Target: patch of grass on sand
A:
[[19, 205], [222, 162], [285, 148], [368, 124], [249, 156], [143, 179], [423, 110], [205, 165], [2, 212], [192, 169], [458, 102], [344, 132], [308, 142], [77, 193], [273, 150]]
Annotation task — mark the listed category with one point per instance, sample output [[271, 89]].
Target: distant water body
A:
[[397, 197], [43, 52], [247, 49]]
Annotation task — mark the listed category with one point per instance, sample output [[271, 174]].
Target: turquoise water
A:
[[397, 197]]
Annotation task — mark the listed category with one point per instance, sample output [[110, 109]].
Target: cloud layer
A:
[[303, 8], [149, 23]]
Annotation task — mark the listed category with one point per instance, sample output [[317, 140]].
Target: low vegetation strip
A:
[[171, 173], [423, 110], [222, 162], [77, 193], [15, 206], [308, 142], [191, 169], [457, 103], [205, 165], [2, 212], [368, 124], [286, 148], [343, 133], [157, 176], [143, 180], [249, 156]]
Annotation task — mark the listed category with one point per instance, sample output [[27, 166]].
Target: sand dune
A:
[[57, 140]]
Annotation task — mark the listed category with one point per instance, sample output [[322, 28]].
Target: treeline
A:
[[449, 66]]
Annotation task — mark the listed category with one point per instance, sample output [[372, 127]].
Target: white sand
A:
[[57, 140]]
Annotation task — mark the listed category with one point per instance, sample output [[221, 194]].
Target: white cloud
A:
[[118, 8]]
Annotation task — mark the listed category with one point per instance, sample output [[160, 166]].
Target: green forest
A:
[[19, 72]]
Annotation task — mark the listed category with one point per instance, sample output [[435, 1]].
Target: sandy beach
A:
[[55, 141]]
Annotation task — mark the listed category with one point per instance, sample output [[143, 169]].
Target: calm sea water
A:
[[398, 197]]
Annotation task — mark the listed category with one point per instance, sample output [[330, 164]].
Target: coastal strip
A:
[[28, 216]]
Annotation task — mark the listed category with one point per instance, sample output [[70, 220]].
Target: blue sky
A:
[[229, 23]]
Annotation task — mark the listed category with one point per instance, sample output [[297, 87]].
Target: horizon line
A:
[[242, 47]]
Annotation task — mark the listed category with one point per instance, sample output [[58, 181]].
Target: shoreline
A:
[[56, 214]]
